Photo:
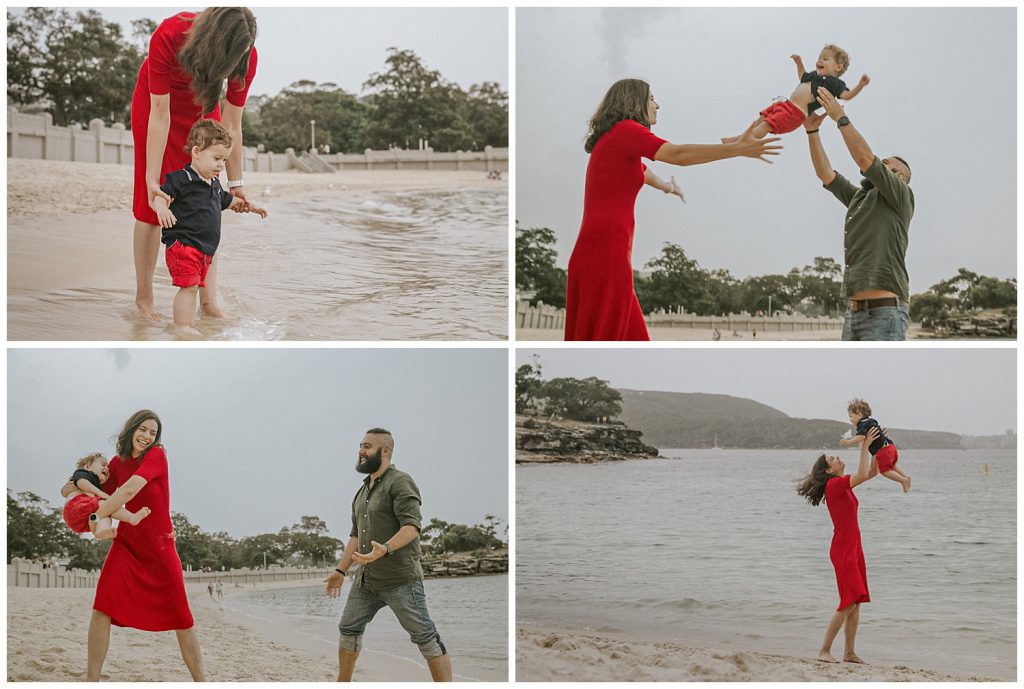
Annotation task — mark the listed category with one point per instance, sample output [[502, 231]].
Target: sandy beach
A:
[[70, 271], [46, 642], [547, 656]]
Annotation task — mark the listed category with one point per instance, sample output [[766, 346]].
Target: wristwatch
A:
[[389, 549], [841, 122], [235, 183]]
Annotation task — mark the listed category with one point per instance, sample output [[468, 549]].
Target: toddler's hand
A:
[[262, 212], [165, 218], [864, 80]]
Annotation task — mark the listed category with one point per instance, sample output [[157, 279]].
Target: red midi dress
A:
[[846, 553], [141, 584], [161, 74], [600, 302]]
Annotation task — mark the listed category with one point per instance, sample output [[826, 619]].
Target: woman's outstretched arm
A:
[[747, 146], [864, 467], [669, 187]]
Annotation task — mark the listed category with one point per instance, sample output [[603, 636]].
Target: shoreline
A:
[[547, 655]]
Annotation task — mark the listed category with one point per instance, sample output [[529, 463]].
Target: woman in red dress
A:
[[600, 301], [180, 81], [828, 480], [141, 584]]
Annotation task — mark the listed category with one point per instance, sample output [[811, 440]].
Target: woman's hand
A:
[[872, 435], [155, 191], [239, 193], [674, 189], [750, 146]]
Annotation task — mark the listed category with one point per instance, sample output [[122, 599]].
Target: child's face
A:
[[827, 64], [100, 468], [855, 417], [209, 162]]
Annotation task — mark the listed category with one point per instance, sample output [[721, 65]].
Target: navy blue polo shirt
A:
[[833, 85], [197, 207], [866, 424]]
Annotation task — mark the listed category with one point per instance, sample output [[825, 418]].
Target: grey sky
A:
[[256, 438], [969, 391], [942, 95], [345, 45]]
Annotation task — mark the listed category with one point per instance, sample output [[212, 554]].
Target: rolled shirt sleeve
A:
[[405, 497]]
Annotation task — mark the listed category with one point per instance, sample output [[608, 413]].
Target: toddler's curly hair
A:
[[859, 406], [840, 55], [89, 459], [206, 133]]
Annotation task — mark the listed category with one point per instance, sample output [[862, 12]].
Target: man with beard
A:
[[875, 279], [385, 544]]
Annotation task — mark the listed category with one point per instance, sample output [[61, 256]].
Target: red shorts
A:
[[77, 511], [886, 458], [783, 116], [188, 265]]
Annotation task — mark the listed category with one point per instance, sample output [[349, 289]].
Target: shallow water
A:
[[368, 266], [471, 614], [714, 549]]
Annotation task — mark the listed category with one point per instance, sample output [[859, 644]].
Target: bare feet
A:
[[906, 485], [147, 311], [212, 310], [853, 658], [827, 657], [139, 516], [186, 332]]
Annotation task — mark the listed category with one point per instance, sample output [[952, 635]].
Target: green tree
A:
[[931, 309], [409, 102], [584, 400], [676, 281], [992, 293], [459, 538], [283, 121], [535, 266], [485, 110], [34, 529], [310, 541], [80, 66], [195, 547], [528, 386]]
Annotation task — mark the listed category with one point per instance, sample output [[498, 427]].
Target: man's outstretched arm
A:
[[822, 167], [855, 143]]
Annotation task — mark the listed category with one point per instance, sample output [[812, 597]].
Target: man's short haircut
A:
[[905, 163], [206, 133], [859, 406], [89, 459], [840, 55], [389, 439]]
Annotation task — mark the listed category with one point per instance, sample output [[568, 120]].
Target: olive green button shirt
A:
[[877, 229], [378, 512]]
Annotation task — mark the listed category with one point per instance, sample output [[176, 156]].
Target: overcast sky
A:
[[346, 45], [967, 391], [257, 438], [942, 95]]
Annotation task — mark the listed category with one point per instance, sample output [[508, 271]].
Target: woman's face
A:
[[144, 436], [835, 466], [652, 110]]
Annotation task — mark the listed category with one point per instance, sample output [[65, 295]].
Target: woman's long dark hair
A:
[[812, 486], [627, 99], [217, 48], [124, 438]]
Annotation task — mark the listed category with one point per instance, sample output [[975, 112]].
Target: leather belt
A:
[[865, 304]]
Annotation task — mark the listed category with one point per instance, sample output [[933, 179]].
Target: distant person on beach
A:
[[883, 450], [828, 480], [601, 303], [209, 587], [219, 588], [190, 221], [86, 497], [786, 115], [385, 543], [180, 81], [141, 583], [875, 233]]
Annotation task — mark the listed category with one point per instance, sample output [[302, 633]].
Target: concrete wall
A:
[[36, 137], [546, 317]]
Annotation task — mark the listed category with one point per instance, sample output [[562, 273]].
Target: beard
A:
[[867, 184], [370, 464]]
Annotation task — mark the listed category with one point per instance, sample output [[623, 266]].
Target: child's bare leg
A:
[[185, 307], [760, 131], [102, 528], [133, 518], [899, 478], [208, 294]]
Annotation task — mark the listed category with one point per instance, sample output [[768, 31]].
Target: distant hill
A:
[[693, 420]]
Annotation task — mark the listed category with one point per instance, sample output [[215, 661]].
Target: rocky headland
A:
[[544, 441]]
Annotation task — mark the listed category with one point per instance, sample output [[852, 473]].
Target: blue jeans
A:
[[408, 602], [887, 323]]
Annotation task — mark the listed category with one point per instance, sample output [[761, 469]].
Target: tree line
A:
[[675, 281], [580, 399], [36, 531], [78, 66]]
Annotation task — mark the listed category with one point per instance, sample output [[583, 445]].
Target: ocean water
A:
[[714, 549], [366, 266], [471, 614]]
